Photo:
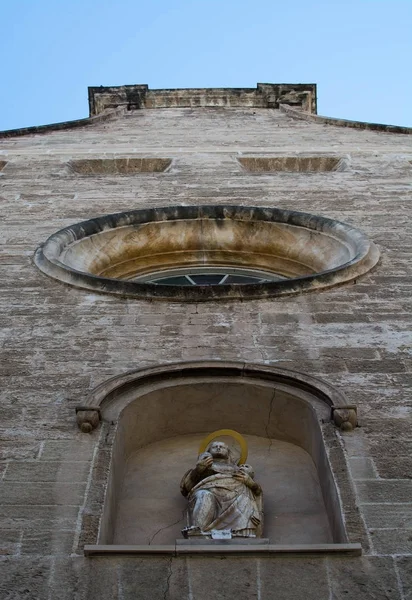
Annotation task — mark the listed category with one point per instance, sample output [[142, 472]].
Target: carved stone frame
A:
[[107, 401]]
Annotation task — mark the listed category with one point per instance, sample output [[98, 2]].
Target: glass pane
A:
[[209, 276], [242, 279], [207, 279], [173, 281]]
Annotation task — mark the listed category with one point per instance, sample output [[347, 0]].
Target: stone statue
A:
[[222, 496]]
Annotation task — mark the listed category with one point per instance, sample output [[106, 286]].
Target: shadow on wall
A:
[[151, 509]]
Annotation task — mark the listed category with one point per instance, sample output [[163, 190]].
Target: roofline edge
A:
[[61, 126], [364, 125]]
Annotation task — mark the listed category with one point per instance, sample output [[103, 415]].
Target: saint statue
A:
[[222, 496]]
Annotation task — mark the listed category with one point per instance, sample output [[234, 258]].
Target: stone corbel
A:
[[345, 417], [88, 418]]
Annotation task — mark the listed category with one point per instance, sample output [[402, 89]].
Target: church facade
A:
[[186, 266]]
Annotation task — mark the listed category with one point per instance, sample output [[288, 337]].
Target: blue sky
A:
[[358, 52]]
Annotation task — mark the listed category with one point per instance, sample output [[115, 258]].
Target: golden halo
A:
[[232, 433]]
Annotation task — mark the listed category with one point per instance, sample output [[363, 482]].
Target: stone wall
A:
[[59, 342]]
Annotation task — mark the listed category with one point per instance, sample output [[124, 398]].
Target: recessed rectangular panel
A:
[[292, 164]]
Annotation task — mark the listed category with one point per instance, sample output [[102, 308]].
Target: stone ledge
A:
[[64, 125], [234, 541], [222, 548], [308, 116]]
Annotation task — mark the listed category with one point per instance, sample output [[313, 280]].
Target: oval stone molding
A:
[[110, 253]]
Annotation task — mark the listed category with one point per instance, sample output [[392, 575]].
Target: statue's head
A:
[[219, 449]]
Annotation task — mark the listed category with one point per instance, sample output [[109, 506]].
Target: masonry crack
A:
[[169, 576], [167, 527], [268, 421]]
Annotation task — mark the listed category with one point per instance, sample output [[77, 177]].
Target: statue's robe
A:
[[235, 502]]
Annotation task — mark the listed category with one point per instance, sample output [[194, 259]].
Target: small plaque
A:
[[221, 534]]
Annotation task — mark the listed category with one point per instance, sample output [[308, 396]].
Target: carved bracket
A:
[[88, 418], [345, 417]]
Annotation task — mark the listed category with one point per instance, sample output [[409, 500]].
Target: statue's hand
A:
[[244, 478], [204, 462]]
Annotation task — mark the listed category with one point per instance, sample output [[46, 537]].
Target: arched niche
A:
[[161, 414]]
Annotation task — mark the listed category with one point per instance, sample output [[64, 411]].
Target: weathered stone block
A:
[[36, 471], [384, 491], [19, 449], [41, 493], [405, 571], [23, 579], [69, 450], [159, 578], [394, 467], [37, 517], [298, 578], [231, 580], [9, 542], [384, 516], [47, 542], [362, 468], [92, 579], [367, 578], [392, 541]]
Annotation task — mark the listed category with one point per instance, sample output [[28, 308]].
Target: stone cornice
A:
[[265, 95]]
